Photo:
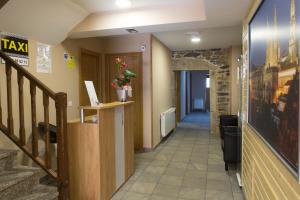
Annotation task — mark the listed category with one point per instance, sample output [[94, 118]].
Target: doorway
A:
[[193, 90], [90, 70], [135, 63]]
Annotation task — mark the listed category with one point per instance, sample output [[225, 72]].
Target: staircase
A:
[[22, 183]]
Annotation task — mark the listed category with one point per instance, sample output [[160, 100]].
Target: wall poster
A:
[[15, 47], [44, 58], [273, 99]]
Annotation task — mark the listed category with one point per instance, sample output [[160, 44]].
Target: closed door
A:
[[89, 71], [135, 63]]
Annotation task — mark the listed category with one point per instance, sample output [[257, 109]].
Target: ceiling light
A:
[[195, 39], [123, 3]]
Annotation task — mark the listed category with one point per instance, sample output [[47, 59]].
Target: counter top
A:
[[106, 105]]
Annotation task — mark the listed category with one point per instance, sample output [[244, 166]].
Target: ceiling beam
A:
[[3, 2]]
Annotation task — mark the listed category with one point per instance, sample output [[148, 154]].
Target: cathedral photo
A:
[[274, 76]]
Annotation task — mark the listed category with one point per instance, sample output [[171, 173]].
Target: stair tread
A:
[[39, 196], [6, 152], [11, 177]]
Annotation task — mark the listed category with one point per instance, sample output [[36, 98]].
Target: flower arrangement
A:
[[124, 76]]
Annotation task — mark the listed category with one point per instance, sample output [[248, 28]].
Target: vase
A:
[[122, 95]]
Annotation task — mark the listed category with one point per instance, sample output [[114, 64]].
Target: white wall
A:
[[235, 54], [163, 85]]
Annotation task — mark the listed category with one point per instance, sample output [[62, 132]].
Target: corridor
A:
[[187, 166]]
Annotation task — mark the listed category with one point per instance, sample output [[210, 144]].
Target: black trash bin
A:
[[52, 130], [230, 145]]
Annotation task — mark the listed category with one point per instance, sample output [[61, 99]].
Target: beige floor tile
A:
[[143, 187], [218, 185], [159, 163], [175, 172], [149, 177], [223, 176], [156, 197], [178, 165], [192, 194], [238, 196], [218, 195], [135, 196], [201, 166], [191, 182], [155, 170], [195, 174], [171, 180], [166, 190]]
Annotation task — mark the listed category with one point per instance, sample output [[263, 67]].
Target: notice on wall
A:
[[44, 58], [70, 61], [15, 47]]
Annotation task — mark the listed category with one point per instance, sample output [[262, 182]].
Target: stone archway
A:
[[192, 64], [219, 80]]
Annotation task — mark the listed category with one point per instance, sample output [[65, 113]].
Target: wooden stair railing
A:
[[60, 99]]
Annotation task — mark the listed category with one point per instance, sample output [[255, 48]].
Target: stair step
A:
[[18, 182], [7, 158], [39, 196]]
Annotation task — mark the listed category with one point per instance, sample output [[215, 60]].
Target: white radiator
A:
[[167, 121]]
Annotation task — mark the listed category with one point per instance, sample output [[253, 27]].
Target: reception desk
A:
[[101, 151]]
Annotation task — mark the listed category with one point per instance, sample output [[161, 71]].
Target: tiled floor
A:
[[187, 166]]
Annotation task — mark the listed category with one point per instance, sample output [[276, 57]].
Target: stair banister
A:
[[60, 99]]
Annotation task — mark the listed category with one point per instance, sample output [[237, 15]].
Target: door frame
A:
[[108, 89], [99, 69], [212, 94]]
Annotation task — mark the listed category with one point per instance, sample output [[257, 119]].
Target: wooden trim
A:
[[178, 101], [60, 99], [151, 91], [2, 3], [99, 69]]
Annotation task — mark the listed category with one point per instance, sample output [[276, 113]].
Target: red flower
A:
[[114, 85], [124, 65]]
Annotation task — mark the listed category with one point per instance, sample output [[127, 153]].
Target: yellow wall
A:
[[264, 176], [62, 79], [163, 85]]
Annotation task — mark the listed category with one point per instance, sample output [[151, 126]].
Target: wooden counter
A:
[[101, 154]]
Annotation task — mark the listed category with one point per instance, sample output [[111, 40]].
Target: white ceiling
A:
[[220, 27], [211, 38], [51, 21], [47, 21], [109, 5]]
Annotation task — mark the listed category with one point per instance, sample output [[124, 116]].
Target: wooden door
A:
[[135, 63], [89, 71]]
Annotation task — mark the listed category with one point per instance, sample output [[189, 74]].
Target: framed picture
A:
[[274, 60]]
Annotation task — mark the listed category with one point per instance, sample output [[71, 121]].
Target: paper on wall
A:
[[44, 58]]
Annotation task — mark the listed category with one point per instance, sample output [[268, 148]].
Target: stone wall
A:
[[220, 58]]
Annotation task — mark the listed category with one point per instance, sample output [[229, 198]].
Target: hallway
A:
[[200, 120], [187, 166]]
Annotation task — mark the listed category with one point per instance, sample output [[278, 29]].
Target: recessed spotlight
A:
[[123, 3], [195, 39]]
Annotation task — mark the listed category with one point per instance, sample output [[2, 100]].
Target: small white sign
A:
[[92, 93], [44, 58]]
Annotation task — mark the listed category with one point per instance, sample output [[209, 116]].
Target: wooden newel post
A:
[[62, 151]]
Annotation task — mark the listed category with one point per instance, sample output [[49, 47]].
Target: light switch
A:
[[70, 103]]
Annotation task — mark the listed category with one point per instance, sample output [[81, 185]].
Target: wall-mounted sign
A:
[[44, 58], [69, 59], [16, 47]]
